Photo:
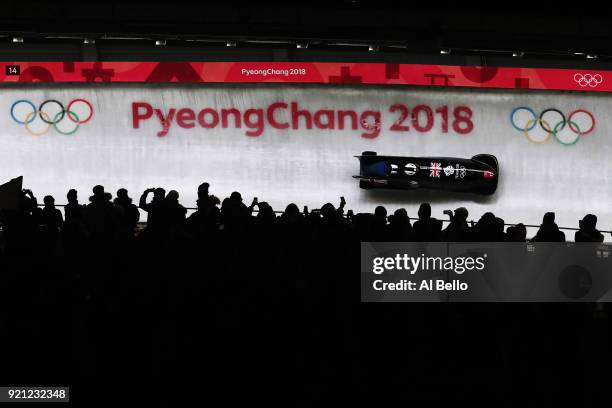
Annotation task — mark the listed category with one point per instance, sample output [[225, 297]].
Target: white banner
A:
[[287, 144]]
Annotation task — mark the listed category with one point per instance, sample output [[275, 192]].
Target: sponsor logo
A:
[[410, 169], [449, 170], [434, 169], [37, 120], [590, 80], [580, 122], [459, 171]]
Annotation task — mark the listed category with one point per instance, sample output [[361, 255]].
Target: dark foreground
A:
[[268, 320], [228, 307]]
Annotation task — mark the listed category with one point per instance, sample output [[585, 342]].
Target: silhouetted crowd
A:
[[105, 222], [237, 302]]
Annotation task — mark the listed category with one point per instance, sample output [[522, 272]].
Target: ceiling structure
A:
[[325, 31]]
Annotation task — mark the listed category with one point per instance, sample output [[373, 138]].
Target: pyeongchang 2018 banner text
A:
[[292, 116]]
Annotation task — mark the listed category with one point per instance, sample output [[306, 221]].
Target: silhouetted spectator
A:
[[427, 229], [458, 229], [74, 233], [265, 218], [400, 229], [51, 221], [74, 211], [588, 231], [516, 233], [329, 213], [28, 201], [204, 223], [291, 223], [380, 213], [173, 211], [349, 215], [291, 214], [327, 224], [340, 209], [499, 234], [128, 212], [101, 216], [159, 194], [521, 232], [51, 217], [486, 229], [379, 226], [235, 214], [549, 231], [203, 191], [31, 207], [19, 225]]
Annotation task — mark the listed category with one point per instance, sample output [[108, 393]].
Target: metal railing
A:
[[470, 222]]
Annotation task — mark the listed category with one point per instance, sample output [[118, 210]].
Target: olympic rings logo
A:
[[52, 113], [585, 80], [571, 122]]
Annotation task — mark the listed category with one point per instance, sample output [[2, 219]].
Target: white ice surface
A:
[[311, 167]]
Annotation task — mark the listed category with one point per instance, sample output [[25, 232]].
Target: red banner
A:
[[309, 72]]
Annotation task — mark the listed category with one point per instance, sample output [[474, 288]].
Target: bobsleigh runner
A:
[[476, 175]]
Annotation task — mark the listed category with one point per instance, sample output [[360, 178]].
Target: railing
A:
[[471, 222]]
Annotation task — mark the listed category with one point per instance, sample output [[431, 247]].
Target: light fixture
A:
[[591, 56], [112, 37], [445, 51], [160, 42], [518, 54], [373, 48], [18, 40], [268, 41], [89, 41], [347, 44], [230, 43], [302, 45], [579, 53]]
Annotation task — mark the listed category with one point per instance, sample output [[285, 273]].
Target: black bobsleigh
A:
[[476, 175]]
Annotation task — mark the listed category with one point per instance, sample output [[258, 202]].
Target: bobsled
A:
[[478, 175]]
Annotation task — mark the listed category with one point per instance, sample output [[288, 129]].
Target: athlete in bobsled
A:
[[476, 175]]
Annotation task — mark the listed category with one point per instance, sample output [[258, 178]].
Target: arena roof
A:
[[343, 28]]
